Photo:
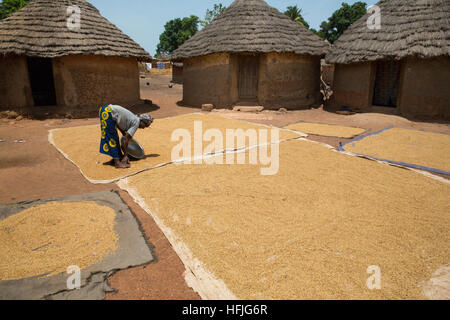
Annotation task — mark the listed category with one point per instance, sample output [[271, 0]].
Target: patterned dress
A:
[[109, 143]]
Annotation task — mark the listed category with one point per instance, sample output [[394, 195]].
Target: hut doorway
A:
[[386, 86], [40, 71], [248, 78]]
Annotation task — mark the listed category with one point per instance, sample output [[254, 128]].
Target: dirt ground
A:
[[34, 169]]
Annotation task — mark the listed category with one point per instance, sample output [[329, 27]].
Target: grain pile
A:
[[421, 148], [46, 239], [326, 130], [81, 144], [309, 232]]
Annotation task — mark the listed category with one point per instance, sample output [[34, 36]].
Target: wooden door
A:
[[387, 81], [40, 72], [248, 78]]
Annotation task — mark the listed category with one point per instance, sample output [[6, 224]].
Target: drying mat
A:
[[130, 246], [410, 148], [309, 232], [81, 144], [326, 130]]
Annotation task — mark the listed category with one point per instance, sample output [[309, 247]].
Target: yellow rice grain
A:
[[312, 230], [81, 144], [326, 130], [426, 149], [45, 240]]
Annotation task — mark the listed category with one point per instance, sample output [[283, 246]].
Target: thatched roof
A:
[[164, 56], [40, 30], [408, 28], [252, 26]]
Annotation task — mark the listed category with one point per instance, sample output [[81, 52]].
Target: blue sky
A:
[[144, 20]]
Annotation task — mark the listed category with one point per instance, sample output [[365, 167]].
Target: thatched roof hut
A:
[[252, 52], [81, 65], [403, 65], [252, 26], [40, 30]]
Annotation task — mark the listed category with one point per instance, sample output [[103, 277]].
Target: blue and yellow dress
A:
[[109, 143]]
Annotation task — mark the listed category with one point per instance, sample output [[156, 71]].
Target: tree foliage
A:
[[341, 20], [213, 13], [10, 6], [176, 32], [295, 13]]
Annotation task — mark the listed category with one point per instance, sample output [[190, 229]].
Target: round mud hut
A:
[[252, 54], [65, 54], [400, 66]]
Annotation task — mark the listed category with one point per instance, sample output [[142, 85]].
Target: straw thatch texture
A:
[[252, 26], [408, 28], [40, 30]]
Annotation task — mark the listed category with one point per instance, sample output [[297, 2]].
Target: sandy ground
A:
[[34, 169]]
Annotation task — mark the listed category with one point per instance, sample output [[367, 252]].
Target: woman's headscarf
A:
[[146, 119]]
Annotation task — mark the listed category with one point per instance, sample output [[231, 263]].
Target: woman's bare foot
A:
[[120, 164], [126, 160]]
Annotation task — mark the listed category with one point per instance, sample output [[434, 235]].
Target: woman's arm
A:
[[124, 146], [121, 131]]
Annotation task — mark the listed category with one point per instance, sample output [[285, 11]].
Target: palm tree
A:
[[295, 13]]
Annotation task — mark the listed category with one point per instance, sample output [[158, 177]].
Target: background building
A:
[[402, 67], [252, 53], [47, 61]]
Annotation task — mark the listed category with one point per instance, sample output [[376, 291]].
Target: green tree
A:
[[176, 32], [10, 6], [295, 13], [341, 20], [319, 33], [211, 14]]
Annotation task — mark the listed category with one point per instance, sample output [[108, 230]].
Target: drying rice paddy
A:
[[46, 239], [418, 148], [81, 144], [326, 130], [309, 232]]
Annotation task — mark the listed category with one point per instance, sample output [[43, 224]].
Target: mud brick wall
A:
[[15, 90], [425, 89], [87, 82]]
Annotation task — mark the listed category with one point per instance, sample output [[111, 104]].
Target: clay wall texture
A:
[[285, 81]]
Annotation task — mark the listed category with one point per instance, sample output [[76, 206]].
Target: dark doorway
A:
[[248, 78], [386, 87], [40, 72]]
